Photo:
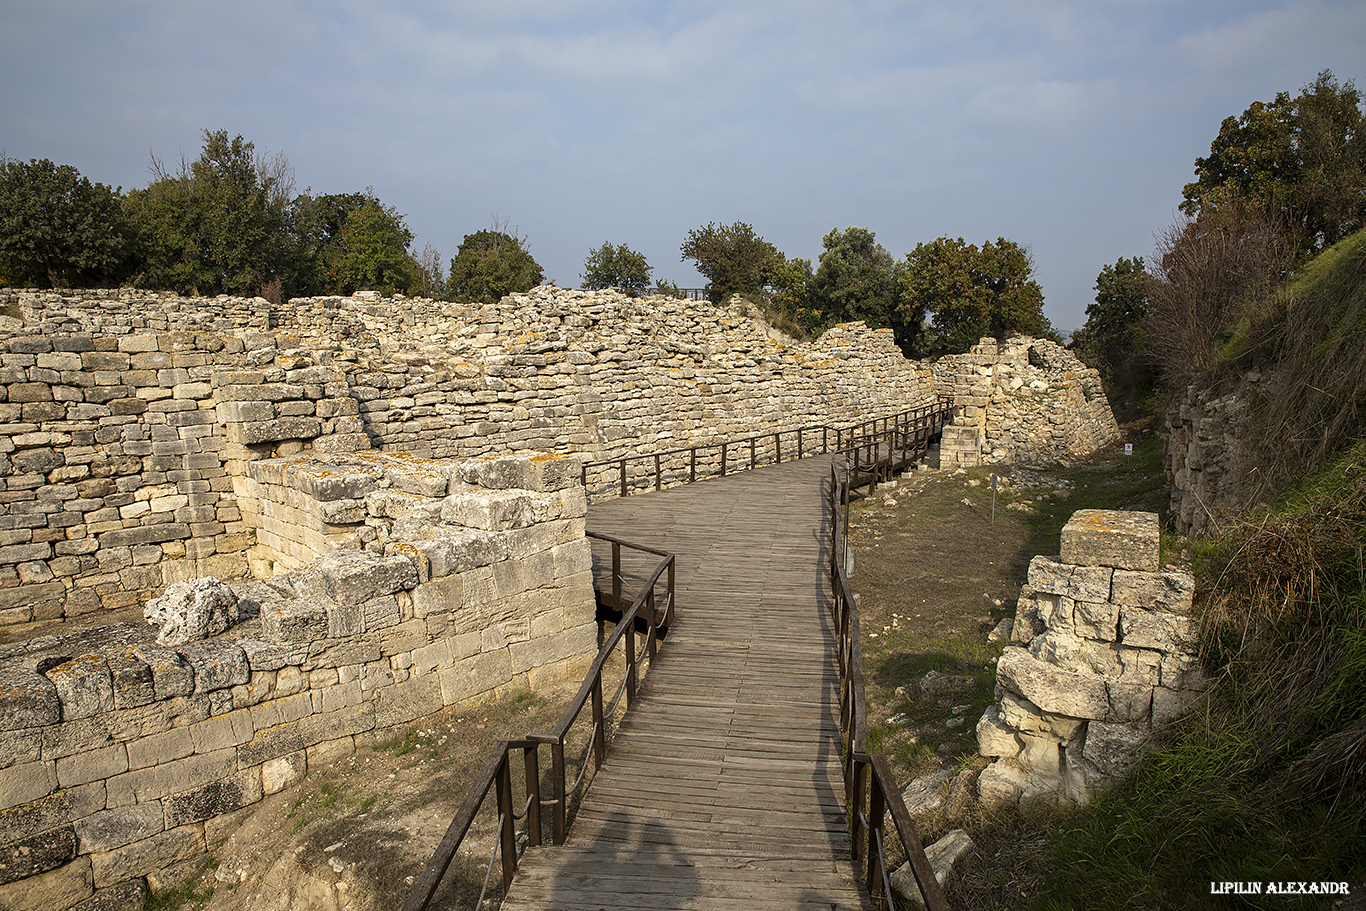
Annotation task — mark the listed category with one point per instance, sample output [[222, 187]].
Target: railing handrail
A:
[[497, 768], [926, 417], [883, 794]]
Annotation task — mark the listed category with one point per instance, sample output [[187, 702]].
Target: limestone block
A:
[[414, 698], [495, 510], [925, 795], [217, 664], [1054, 690], [278, 774], [1181, 672], [528, 471], [1129, 701], [59, 888], [1002, 782], [1078, 583], [193, 611], [1020, 714], [1107, 537], [213, 799], [352, 577], [27, 699], [294, 621], [84, 686], [1096, 620], [171, 674], [111, 829], [45, 813], [994, 737], [1113, 748], [91, 765], [36, 854], [148, 855], [1161, 630], [1171, 591], [942, 855], [474, 676], [263, 656], [454, 552], [156, 749]]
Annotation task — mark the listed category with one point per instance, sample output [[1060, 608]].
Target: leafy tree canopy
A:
[[217, 224], [733, 259], [57, 228], [490, 264], [1301, 158], [353, 242], [1111, 339], [856, 280], [970, 292], [616, 267]]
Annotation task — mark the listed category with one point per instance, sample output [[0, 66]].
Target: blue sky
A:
[[1068, 126]]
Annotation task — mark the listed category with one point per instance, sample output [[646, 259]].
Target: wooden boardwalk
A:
[[723, 788]]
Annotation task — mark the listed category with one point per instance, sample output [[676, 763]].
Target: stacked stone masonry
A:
[[128, 419], [1022, 400], [1212, 474], [120, 757], [1103, 655]]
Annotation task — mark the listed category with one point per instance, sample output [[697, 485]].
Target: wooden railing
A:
[[646, 610], [866, 775], [907, 430]]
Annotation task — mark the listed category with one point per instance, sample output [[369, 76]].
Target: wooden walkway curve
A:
[[723, 787]]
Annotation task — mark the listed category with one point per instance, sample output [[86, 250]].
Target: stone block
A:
[[1020, 714], [1161, 630], [36, 854], [20, 784], [456, 552], [994, 738], [110, 829], [1096, 620], [217, 664], [126, 896], [48, 812], [295, 621], [353, 577], [942, 855], [131, 678], [495, 510], [171, 674], [1169, 591], [1078, 583], [53, 889], [27, 700], [92, 765], [1113, 748], [278, 774], [84, 686], [1052, 689], [213, 799], [1107, 537], [147, 856], [158, 749]]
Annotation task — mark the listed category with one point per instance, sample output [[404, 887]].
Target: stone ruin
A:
[[345, 514], [1103, 655]]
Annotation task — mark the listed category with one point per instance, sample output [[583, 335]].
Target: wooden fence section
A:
[[723, 788]]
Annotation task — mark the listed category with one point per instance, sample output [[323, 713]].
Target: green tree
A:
[[970, 292], [490, 264], [856, 280], [219, 223], [732, 258], [789, 306], [57, 228], [616, 267], [1303, 159], [1111, 341]]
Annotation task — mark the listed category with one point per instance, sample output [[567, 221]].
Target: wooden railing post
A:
[[723, 460], [623, 477], [751, 453], [531, 763], [616, 576], [599, 725], [508, 835], [876, 809], [692, 465], [557, 772], [630, 666], [657, 476]]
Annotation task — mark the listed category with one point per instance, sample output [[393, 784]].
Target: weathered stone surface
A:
[[352, 577], [1168, 591], [36, 854], [59, 888], [1076, 583], [193, 611], [1114, 748], [27, 699], [294, 621], [1160, 630], [994, 737], [84, 686], [126, 896], [213, 799], [1107, 537], [1054, 690], [112, 829], [217, 664], [147, 856], [942, 855], [171, 674]]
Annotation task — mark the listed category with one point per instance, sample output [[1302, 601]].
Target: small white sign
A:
[[1128, 449]]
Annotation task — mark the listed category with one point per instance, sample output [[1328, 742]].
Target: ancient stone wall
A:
[[1103, 655], [120, 756], [128, 419], [1212, 475], [1022, 400]]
